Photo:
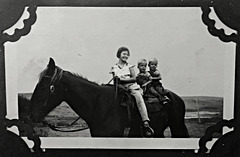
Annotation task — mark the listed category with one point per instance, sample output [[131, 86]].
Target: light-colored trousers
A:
[[137, 93]]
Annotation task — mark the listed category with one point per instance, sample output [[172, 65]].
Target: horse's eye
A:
[[52, 88]]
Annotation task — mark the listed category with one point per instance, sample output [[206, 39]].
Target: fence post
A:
[[199, 118]]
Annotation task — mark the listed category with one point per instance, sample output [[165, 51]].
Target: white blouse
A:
[[124, 72]]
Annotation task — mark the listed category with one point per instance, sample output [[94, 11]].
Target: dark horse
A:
[[99, 105]]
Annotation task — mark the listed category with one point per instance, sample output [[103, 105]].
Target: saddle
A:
[[125, 96], [127, 100]]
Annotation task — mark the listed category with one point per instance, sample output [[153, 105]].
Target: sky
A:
[[85, 41]]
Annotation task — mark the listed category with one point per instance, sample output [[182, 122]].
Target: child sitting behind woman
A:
[[151, 79]]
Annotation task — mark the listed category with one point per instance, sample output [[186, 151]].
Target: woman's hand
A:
[[116, 80]]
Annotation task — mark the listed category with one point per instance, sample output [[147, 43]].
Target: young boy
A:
[[156, 77], [143, 77], [145, 80]]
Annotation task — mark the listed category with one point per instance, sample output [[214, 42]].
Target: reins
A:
[[115, 85], [110, 80], [116, 89], [56, 128]]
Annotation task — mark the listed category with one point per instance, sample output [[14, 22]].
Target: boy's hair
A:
[[121, 49], [153, 60], [142, 61]]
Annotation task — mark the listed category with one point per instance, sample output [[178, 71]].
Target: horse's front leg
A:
[[159, 123]]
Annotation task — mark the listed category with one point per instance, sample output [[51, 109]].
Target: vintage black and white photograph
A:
[[130, 73]]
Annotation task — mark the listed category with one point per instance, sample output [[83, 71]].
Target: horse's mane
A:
[[76, 75], [79, 76]]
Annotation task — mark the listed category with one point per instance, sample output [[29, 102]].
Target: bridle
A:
[[55, 79]]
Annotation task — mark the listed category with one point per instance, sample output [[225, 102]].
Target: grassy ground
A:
[[202, 112]]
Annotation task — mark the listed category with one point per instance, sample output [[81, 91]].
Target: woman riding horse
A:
[[126, 74], [99, 106]]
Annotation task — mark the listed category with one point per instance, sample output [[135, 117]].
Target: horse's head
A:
[[48, 92]]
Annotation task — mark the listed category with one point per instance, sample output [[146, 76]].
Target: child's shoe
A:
[[166, 100], [147, 130]]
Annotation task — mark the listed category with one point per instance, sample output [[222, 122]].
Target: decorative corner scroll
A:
[[18, 33], [220, 33], [217, 128], [29, 131]]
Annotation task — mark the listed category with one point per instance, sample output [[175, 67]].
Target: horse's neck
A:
[[80, 95]]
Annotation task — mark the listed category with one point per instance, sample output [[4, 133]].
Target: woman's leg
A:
[[140, 104], [146, 129]]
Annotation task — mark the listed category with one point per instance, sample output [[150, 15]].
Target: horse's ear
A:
[[51, 61], [51, 65]]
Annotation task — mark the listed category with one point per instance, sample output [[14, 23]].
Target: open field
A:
[[201, 112]]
